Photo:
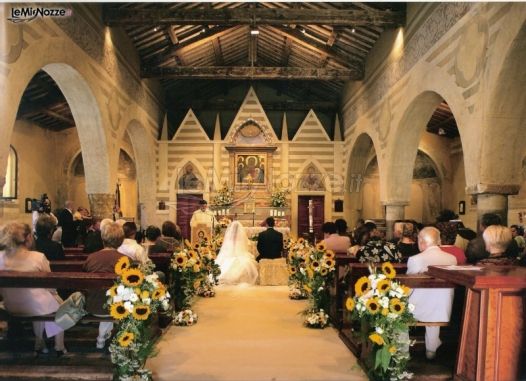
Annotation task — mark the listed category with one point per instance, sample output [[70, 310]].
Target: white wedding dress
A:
[[237, 264]]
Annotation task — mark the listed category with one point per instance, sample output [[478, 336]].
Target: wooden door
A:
[[318, 215], [187, 204]]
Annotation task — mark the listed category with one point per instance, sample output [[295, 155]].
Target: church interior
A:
[[379, 111]]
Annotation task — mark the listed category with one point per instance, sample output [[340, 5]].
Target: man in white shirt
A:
[[203, 215], [130, 247], [431, 304]]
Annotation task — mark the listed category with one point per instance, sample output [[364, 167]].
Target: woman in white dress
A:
[[236, 262]]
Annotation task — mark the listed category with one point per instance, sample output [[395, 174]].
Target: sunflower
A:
[[324, 271], [117, 311], [192, 253], [126, 338], [196, 268], [376, 338], [385, 311], [159, 293], [349, 304], [406, 290], [330, 254], [392, 349], [145, 294], [197, 246], [180, 260], [388, 270], [373, 306], [362, 285], [396, 306], [329, 262], [307, 288], [301, 240], [383, 285], [292, 270], [132, 277], [321, 246], [122, 264], [141, 312], [315, 265], [310, 273], [113, 291]]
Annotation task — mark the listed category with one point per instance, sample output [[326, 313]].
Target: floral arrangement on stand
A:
[[311, 269], [210, 270], [186, 269], [298, 251], [136, 295], [224, 198], [278, 198], [381, 305]]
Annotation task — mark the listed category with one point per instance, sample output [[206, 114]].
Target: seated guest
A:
[[93, 241], [476, 249], [376, 249], [151, 235], [15, 241], [497, 238], [397, 231], [270, 242], [103, 261], [360, 237], [517, 232], [431, 305], [407, 244], [44, 228], [341, 227], [448, 235], [170, 239], [69, 225], [130, 247], [332, 240]]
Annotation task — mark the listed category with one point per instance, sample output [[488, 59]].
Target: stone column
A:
[[492, 203], [101, 204], [393, 212]]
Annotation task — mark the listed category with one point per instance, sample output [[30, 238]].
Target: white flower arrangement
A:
[[316, 319], [185, 318], [278, 198]]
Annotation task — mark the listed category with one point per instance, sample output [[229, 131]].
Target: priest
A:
[[203, 217]]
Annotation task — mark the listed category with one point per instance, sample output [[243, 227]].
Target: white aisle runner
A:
[[252, 333]]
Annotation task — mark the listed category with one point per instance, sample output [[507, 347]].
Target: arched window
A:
[[9, 189]]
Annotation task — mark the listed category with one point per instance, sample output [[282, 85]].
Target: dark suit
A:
[[69, 228], [270, 244], [93, 242], [51, 249]]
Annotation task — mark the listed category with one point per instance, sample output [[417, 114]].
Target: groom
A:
[[270, 242]]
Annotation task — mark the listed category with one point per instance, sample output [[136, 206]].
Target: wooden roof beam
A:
[[227, 104], [247, 72], [253, 16], [297, 36]]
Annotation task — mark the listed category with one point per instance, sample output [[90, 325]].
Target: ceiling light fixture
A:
[[353, 30], [155, 29], [254, 31], [441, 131], [302, 30]]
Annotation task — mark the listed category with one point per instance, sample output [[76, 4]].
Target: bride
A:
[[236, 262]]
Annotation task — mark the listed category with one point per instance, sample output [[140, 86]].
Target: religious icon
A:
[[250, 169], [188, 179]]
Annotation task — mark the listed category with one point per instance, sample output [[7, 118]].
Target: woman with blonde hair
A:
[[497, 238], [15, 255]]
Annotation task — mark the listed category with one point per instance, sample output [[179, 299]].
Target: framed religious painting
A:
[[251, 168]]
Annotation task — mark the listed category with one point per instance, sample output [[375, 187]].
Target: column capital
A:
[[504, 189]]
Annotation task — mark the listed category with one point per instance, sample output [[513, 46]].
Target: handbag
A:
[[71, 311]]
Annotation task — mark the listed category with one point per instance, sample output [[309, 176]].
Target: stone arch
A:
[[503, 137], [360, 156], [174, 176], [404, 147], [144, 156]]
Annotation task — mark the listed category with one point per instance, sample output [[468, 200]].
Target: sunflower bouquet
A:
[[185, 318], [318, 269], [381, 305], [187, 273], [209, 270], [136, 295], [298, 250]]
